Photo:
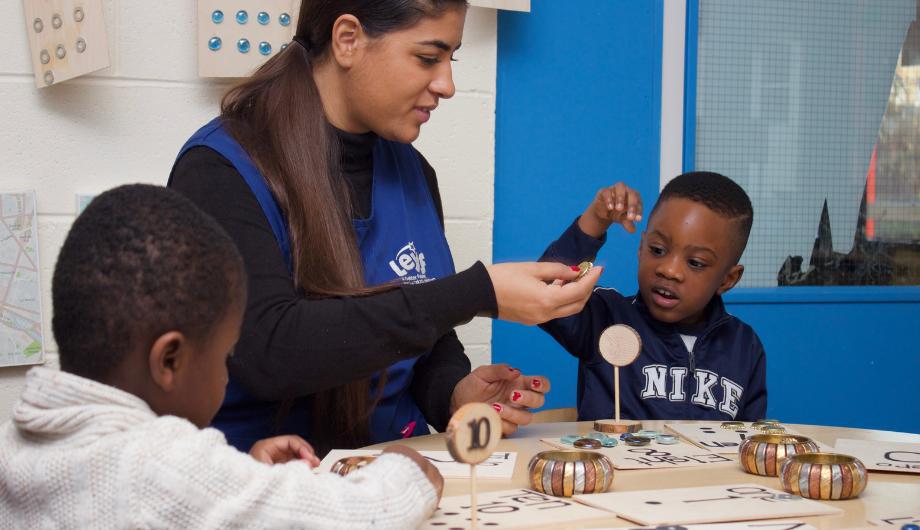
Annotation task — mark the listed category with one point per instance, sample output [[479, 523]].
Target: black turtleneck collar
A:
[[358, 168]]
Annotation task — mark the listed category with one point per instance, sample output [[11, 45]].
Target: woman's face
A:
[[399, 78]]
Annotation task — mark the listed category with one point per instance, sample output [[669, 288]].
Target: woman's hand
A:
[[510, 393], [281, 449], [523, 295]]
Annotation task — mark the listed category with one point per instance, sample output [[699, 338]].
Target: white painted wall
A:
[[126, 124]]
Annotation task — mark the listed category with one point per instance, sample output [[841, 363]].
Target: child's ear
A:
[[731, 279], [168, 355]]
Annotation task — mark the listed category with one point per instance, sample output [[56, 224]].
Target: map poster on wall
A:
[[20, 293]]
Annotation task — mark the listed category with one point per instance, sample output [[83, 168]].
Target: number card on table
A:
[[654, 455], [710, 504], [883, 456], [712, 436], [498, 466], [747, 525], [896, 520], [511, 509]]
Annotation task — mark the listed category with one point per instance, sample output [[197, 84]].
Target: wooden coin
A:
[[620, 345], [473, 433], [617, 427]]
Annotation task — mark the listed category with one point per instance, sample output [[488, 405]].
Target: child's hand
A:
[[281, 449], [427, 467], [616, 204]]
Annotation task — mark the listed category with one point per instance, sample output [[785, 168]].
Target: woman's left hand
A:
[[509, 392]]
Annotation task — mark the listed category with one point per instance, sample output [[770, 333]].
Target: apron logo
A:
[[409, 260]]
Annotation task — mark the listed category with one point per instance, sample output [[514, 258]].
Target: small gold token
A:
[[733, 425], [583, 269], [773, 429], [473, 433]]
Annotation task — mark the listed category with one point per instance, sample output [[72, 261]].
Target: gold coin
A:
[[583, 269], [773, 429], [733, 425]]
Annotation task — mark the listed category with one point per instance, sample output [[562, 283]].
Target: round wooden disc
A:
[[473, 433], [618, 427], [620, 345]]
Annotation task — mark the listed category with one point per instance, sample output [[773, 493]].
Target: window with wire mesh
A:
[[814, 109]]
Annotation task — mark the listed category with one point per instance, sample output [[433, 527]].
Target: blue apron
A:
[[402, 240]]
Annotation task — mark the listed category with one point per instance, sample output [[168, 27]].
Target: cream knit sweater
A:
[[80, 454]]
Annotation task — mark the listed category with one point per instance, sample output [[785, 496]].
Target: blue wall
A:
[[578, 109]]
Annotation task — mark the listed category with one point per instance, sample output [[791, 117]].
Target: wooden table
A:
[[887, 495]]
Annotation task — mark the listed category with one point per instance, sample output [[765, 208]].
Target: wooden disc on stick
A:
[[473, 433], [620, 345]]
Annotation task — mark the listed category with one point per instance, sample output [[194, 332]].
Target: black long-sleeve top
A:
[[291, 346]]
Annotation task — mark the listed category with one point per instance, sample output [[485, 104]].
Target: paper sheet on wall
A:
[[710, 504], [512, 509], [21, 340], [654, 455], [883, 456], [499, 466]]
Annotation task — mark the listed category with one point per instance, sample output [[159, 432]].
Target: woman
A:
[[348, 335]]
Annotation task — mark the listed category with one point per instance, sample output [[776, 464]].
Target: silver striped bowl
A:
[[824, 476], [762, 454], [567, 473]]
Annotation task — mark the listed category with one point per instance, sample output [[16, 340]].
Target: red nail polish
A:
[[497, 407], [575, 268], [536, 383], [512, 369], [516, 396]]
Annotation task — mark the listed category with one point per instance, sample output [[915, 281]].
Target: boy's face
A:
[[686, 256], [200, 388]]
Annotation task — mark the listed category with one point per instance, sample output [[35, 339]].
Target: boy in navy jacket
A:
[[697, 361]]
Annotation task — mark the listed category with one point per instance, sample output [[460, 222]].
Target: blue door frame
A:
[[578, 108]]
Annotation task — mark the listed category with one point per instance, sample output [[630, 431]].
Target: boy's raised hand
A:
[[281, 449], [617, 204]]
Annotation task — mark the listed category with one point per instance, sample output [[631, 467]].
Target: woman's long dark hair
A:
[[278, 118]]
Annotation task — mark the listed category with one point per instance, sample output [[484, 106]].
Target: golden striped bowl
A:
[[762, 454], [566, 473], [348, 464], [824, 476]]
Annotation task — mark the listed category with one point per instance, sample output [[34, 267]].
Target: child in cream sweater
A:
[[148, 296]]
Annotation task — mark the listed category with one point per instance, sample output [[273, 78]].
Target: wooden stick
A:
[[616, 391], [473, 496]]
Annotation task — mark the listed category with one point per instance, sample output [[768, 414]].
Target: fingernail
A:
[[536, 383], [619, 206], [514, 369], [516, 396], [497, 407], [574, 268]]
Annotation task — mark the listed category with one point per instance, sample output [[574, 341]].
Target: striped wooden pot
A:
[[762, 454], [348, 464], [824, 476], [566, 473]]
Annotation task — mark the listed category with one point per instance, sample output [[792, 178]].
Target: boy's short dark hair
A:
[[718, 193], [140, 260]]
